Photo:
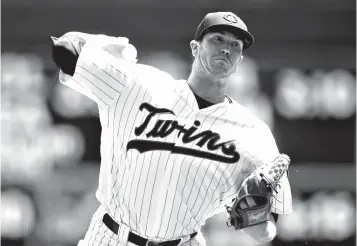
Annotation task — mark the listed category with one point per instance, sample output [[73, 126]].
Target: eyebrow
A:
[[222, 33]]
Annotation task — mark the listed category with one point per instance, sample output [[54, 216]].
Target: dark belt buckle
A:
[[152, 243]]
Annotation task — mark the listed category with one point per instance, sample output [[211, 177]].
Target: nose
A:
[[225, 52]]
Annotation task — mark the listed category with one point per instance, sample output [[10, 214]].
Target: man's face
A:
[[220, 53]]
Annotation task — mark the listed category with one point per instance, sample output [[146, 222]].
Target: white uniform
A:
[[167, 166]]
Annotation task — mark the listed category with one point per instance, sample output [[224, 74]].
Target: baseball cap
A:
[[225, 21]]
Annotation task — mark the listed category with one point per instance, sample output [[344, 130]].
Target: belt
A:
[[136, 239]]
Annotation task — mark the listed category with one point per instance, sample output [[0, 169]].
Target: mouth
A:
[[222, 59]]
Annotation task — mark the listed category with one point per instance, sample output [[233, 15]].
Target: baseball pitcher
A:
[[175, 152]]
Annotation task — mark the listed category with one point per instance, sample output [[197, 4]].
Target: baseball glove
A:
[[260, 186]]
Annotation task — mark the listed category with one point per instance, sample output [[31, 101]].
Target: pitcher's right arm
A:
[[97, 66]]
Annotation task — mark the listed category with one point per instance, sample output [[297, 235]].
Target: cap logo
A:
[[230, 18]]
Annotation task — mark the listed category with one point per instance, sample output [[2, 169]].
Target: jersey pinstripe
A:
[[166, 165]]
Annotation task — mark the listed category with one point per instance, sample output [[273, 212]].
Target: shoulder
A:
[[154, 72], [258, 135], [245, 116], [158, 78]]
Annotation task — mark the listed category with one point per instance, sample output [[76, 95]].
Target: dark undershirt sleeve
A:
[[275, 216]]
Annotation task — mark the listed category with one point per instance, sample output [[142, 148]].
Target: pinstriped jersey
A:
[[166, 165]]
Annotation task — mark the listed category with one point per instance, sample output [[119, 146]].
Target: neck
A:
[[209, 87]]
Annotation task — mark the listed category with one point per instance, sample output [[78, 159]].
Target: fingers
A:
[[54, 40], [248, 202], [251, 202], [129, 53], [243, 204]]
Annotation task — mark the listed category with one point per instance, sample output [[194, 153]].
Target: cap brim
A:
[[245, 36]]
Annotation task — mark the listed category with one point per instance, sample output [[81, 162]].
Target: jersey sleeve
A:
[[281, 199], [100, 75]]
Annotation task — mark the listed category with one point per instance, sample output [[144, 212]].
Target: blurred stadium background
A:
[[300, 77]]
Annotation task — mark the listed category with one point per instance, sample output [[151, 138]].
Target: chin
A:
[[222, 74], [221, 71]]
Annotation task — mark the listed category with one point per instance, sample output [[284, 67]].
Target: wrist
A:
[[261, 233]]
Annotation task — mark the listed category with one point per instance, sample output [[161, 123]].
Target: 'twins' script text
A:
[[164, 128]]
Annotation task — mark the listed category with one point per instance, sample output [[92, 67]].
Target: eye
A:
[[218, 38], [235, 44]]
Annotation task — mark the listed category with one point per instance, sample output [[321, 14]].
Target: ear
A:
[[240, 59], [194, 47], [238, 63]]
